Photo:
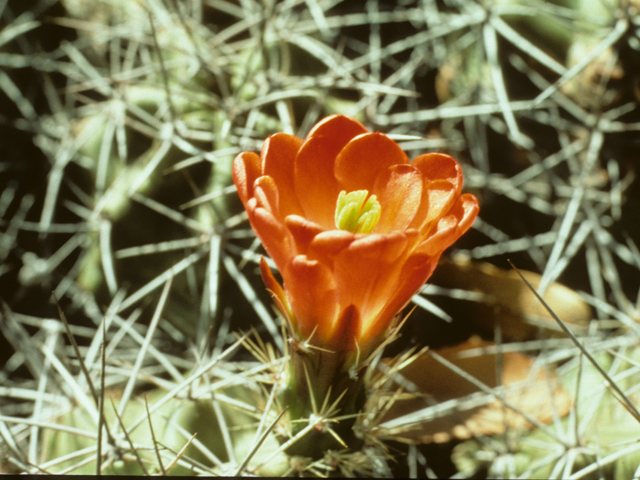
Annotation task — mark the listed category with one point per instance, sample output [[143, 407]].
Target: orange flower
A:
[[349, 261]]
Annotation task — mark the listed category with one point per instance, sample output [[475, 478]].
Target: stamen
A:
[[357, 211]]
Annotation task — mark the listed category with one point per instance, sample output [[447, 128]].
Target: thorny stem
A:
[[321, 384]]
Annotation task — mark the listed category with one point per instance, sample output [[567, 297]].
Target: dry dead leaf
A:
[[507, 299], [528, 389]]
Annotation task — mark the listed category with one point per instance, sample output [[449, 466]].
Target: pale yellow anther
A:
[[357, 213]]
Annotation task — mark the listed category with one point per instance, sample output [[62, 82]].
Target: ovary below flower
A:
[[353, 226]]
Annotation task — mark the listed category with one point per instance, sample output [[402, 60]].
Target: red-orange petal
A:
[[385, 289], [442, 185], [278, 161], [399, 191], [466, 209], [437, 199], [364, 158], [245, 170], [442, 237], [338, 127], [273, 234], [326, 245], [276, 290], [452, 226], [316, 186], [265, 191], [346, 330], [311, 290], [415, 272], [302, 231], [439, 166], [366, 270]]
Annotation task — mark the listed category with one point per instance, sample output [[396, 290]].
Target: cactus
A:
[[118, 125]]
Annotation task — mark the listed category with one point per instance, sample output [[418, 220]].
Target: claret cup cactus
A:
[[355, 229]]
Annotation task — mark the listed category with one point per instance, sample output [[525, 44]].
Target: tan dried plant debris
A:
[[530, 392], [509, 301]]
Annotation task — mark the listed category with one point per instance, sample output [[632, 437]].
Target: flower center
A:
[[357, 211]]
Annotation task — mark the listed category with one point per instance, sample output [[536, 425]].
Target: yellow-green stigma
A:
[[355, 214]]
